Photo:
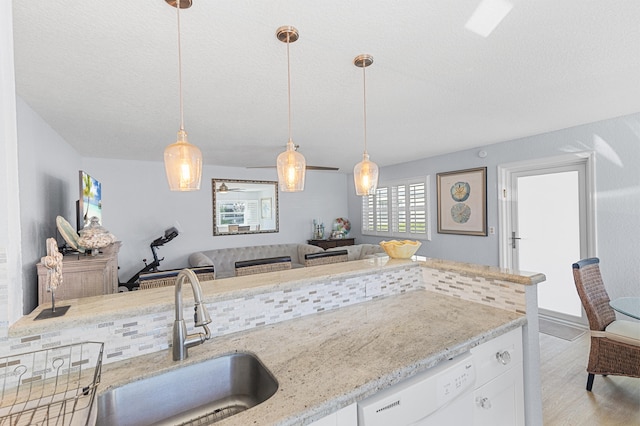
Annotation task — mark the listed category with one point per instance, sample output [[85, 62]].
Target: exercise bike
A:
[[133, 284]]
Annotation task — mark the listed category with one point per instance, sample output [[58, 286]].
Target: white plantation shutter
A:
[[368, 212], [418, 208], [382, 210], [398, 209]]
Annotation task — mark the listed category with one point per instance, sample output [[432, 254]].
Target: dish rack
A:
[[55, 386]]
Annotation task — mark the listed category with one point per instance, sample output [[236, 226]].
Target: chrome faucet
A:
[[181, 340]]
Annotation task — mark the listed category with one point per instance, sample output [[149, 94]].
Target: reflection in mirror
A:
[[244, 206]]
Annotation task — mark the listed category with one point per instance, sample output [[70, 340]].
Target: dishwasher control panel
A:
[[455, 381], [426, 394]]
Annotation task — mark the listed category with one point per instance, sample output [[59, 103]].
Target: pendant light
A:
[[182, 161], [365, 173], [291, 164]]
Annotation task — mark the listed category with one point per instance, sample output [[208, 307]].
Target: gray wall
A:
[[616, 143], [48, 173], [138, 207]]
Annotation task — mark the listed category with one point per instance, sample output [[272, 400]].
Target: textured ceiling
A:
[[104, 75]]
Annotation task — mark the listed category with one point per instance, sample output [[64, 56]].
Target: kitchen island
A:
[[327, 361], [319, 330]]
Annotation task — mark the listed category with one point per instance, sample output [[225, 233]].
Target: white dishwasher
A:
[[442, 395]]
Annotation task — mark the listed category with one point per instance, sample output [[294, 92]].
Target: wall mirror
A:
[[244, 206]]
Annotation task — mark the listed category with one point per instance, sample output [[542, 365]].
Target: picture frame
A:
[[265, 208], [462, 202]]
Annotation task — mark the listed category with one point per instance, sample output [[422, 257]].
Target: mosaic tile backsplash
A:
[[488, 291], [134, 336]]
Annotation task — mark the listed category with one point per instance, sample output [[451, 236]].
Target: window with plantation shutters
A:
[[398, 209]]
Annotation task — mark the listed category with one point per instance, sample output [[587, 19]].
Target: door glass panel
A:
[[549, 228]]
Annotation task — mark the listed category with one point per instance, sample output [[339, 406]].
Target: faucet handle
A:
[[200, 315]]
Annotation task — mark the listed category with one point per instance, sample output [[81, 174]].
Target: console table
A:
[[330, 243], [83, 275]]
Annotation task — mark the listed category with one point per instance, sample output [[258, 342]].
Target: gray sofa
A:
[[223, 260], [361, 251]]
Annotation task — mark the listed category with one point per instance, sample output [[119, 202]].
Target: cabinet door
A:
[[348, 416], [500, 401]]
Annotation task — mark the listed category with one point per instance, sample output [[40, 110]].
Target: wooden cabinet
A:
[[499, 390], [325, 244], [83, 276]]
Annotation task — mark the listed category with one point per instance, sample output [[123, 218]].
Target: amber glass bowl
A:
[[400, 249]]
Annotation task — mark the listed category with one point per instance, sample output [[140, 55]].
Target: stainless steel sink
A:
[[201, 393]]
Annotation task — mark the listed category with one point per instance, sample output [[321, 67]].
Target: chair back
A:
[[258, 266], [594, 297], [325, 257]]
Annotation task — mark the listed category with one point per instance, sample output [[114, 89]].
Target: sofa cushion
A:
[[371, 250], [353, 252], [361, 251]]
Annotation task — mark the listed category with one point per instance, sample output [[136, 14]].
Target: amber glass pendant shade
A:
[[183, 164], [365, 176], [290, 163], [182, 161], [291, 169], [365, 173]]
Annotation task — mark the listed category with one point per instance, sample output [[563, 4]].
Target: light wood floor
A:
[[615, 400]]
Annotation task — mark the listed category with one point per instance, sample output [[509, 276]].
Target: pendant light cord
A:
[[180, 69], [289, 84], [364, 103]]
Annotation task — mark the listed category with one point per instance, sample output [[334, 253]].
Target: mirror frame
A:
[[275, 206]]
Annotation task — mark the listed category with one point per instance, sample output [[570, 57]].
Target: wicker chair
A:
[[168, 278], [325, 257], [615, 344], [258, 266]]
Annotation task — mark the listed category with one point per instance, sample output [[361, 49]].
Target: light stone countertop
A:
[[517, 277], [326, 361], [90, 310], [95, 309]]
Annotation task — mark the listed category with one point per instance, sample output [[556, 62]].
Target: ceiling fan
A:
[[223, 189], [308, 167]]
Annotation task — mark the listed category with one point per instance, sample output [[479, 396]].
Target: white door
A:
[[548, 228]]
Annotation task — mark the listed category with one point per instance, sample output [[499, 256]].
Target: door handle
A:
[[513, 239]]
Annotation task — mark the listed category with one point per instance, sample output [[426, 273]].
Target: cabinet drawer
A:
[[497, 356], [500, 401]]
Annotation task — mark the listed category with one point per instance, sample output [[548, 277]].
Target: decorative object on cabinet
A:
[[615, 344], [330, 243], [341, 226], [462, 202], [83, 275], [182, 160], [245, 206], [69, 234], [53, 262], [95, 237], [400, 249], [318, 229]]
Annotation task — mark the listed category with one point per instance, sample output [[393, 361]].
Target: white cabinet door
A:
[[500, 401], [348, 416]]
